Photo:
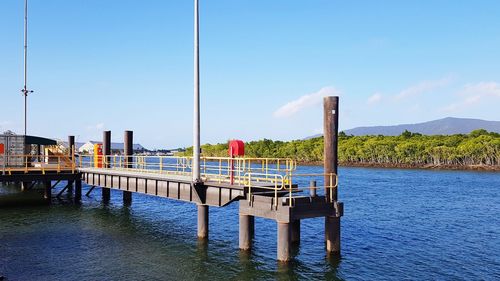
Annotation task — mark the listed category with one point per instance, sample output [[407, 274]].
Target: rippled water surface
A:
[[398, 225]]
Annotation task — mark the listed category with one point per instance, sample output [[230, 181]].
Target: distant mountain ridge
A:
[[445, 126]]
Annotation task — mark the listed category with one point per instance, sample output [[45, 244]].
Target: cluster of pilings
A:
[[128, 151], [287, 214], [289, 218]]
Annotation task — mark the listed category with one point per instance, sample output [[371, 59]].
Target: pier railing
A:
[[36, 163], [215, 169], [285, 184], [271, 174]]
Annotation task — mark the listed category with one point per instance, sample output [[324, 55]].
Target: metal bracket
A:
[[200, 190], [339, 208]]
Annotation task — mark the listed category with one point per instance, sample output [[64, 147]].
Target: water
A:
[[398, 225]]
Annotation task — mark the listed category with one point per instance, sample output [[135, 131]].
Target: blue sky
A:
[[265, 66]]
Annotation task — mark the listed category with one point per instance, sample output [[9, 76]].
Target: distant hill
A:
[[445, 126]]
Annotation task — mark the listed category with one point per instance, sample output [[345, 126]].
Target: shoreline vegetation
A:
[[478, 150]]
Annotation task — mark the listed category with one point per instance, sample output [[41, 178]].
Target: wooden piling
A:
[[71, 153], [129, 152], [106, 149], [331, 122]]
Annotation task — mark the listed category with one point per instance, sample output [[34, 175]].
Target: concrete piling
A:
[[203, 221], [25, 185], [332, 231], [295, 232], [247, 224], [106, 149], [331, 122], [284, 242], [128, 151], [47, 194], [71, 152], [78, 190]]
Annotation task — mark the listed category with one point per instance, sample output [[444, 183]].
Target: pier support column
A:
[[71, 154], [127, 197], [332, 235], [47, 194], [129, 161], [203, 221], [25, 185], [331, 130], [106, 149], [78, 190], [284, 242], [295, 232], [247, 225], [70, 187]]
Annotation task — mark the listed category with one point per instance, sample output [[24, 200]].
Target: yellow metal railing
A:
[[37, 163], [285, 184], [217, 169], [271, 174]]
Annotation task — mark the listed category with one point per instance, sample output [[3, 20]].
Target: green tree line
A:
[[477, 148]]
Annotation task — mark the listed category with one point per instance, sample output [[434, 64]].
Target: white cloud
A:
[[305, 101], [423, 87], [483, 89], [375, 98], [473, 94]]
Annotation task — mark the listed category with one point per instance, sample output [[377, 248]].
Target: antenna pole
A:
[[25, 90]]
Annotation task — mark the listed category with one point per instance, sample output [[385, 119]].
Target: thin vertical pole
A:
[[25, 89], [196, 115]]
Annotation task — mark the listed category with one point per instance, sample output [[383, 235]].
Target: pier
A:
[[263, 187]]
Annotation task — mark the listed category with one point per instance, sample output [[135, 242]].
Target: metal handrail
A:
[[219, 169], [285, 183], [46, 163], [333, 178]]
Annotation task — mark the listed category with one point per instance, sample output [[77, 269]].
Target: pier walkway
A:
[[264, 187]]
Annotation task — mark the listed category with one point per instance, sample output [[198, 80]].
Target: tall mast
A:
[[196, 111], [25, 90]]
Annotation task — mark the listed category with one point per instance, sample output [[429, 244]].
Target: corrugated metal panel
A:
[[14, 148]]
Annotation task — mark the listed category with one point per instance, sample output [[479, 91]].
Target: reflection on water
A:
[[398, 224]]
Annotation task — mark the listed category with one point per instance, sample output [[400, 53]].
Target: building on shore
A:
[[116, 147]]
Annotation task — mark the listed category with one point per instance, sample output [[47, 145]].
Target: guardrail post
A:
[[312, 188], [128, 151], [106, 149], [247, 225], [331, 122], [203, 221]]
